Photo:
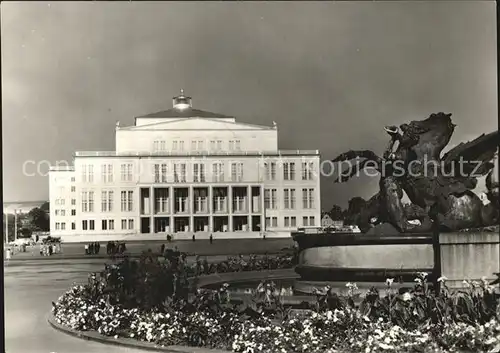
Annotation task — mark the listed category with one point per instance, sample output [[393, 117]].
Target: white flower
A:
[[389, 281], [442, 279], [406, 296]]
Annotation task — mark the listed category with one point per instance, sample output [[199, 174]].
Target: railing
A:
[[194, 153], [62, 168]]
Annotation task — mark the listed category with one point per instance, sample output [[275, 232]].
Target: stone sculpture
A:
[[438, 185]]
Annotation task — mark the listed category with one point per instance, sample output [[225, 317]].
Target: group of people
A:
[[92, 248], [115, 247], [48, 249]]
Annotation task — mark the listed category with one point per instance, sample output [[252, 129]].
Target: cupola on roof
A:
[[182, 107]]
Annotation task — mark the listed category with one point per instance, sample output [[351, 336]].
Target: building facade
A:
[[185, 170]]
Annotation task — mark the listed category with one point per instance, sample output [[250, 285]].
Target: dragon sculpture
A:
[[438, 185]]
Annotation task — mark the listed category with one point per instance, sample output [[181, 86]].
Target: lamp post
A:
[[16, 212]]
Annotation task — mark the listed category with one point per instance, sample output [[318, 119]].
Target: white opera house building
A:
[[185, 171]]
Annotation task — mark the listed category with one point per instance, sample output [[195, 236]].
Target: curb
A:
[[126, 342]]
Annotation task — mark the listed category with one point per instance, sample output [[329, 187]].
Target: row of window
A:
[[62, 213], [197, 145], [290, 222], [160, 172], [289, 200], [107, 224], [307, 170], [107, 198]]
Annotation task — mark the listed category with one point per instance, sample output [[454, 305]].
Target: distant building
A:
[[185, 170]]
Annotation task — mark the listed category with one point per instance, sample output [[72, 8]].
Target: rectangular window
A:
[[160, 172], [73, 226], [73, 212], [305, 220], [231, 145], [217, 172], [63, 213], [58, 225], [57, 212], [293, 221], [198, 173], [104, 201], [104, 224], [91, 173], [127, 201], [63, 226], [73, 202], [130, 195], [219, 145], [130, 224], [85, 201], [73, 189], [287, 222], [270, 169], [107, 173], [181, 146], [212, 145], [91, 224], [174, 145], [200, 145], [237, 145], [307, 198], [194, 145], [84, 173], [91, 201], [123, 199], [311, 221], [289, 171], [237, 171], [307, 170], [270, 198], [274, 222], [180, 173], [111, 224], [124, 224], [126, 172], [85, 225], [156, 146], [73, 179], [268, 222]]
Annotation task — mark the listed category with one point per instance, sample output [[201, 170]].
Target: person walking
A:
[[194, 238], [8, 255]]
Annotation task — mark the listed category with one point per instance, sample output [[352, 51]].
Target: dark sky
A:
[[331, 74]]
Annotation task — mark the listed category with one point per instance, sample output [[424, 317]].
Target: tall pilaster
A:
[[171, 206], [230, 207], [151, 210], [190, 209], [210, 209]]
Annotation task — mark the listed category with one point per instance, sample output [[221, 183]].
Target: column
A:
[[263, 213], [210, 209], [191, 208], [248, 203], [171, 204], [230, 207], [151, 210]]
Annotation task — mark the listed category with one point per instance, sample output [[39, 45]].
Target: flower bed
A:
[[151, 301]]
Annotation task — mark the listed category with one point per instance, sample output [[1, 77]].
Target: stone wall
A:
[[469, 256]]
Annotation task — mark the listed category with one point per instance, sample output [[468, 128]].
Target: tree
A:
[[39, 219], [45, 206], [336, 213], [25, 232]]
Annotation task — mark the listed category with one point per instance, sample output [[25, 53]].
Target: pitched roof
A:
[[185, 113]]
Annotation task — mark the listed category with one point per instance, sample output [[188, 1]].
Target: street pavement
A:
[[200, 247], [29, 290]]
